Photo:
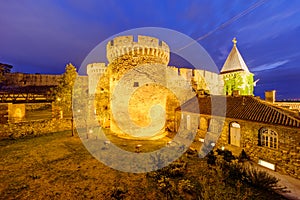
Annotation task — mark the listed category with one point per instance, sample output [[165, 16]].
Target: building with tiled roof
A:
[[268, 133], [245, 108]]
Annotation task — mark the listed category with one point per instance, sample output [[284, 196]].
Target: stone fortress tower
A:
[[94, 71], [125, 56]]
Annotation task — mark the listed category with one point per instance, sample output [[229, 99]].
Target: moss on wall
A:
[[241, 81]]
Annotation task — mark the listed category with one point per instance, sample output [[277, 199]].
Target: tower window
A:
[[136, 84]]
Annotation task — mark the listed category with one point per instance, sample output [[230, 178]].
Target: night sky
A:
[[43, 36]]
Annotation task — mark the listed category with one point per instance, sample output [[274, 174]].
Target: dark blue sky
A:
[[43, 36]]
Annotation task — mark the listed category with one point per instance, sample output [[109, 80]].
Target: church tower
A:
[[236, 74]]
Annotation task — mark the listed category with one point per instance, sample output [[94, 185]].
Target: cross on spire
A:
[[234, 41]]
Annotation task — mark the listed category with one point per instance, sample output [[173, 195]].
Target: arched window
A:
[[268, 138]]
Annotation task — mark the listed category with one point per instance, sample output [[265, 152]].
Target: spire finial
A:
[[234, 41]]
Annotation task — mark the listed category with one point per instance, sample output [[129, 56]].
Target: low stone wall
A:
[[34, 128], [37, 106]]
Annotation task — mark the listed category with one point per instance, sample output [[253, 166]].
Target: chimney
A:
[[201, 92], [235, 93], [270, 96]]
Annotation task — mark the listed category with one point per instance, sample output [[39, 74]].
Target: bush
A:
[[174, 170], [118, 193], [211, 158], [227, 155], [262, 180], [251, 176], [186, 186]]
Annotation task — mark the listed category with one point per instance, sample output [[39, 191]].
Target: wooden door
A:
[[235, 136]]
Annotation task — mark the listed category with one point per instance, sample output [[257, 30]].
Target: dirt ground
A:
[[58, 166]]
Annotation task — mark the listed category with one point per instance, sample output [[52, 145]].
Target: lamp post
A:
[[72, 117]]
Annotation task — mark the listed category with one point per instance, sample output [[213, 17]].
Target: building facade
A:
[[269, 134]]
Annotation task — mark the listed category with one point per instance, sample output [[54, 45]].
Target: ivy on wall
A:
[[238, 81]]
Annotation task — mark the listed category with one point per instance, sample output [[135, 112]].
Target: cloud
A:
[[269, 66]]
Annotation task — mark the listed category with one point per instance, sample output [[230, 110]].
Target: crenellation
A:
[[145, 45]]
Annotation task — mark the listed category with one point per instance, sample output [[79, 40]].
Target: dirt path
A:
[[292, 184]]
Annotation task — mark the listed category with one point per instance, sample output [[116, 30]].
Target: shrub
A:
[[262, 180], [227, 155], [186, 186], [211, 158], [118, 192]]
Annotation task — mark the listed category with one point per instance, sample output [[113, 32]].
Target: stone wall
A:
[[22, 79], [286, 157], [33, 128], [37, 106]]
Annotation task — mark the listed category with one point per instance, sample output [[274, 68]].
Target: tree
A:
[[64, 90], [4, 68]]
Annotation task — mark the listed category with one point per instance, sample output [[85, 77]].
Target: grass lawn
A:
[[57, 166]]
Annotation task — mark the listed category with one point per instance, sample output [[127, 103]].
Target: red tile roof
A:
[[243, 107]]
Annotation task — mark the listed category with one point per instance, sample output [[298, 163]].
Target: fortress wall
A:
[[20, 79], [200, 79]]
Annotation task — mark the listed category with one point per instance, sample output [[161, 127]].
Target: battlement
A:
[[144, 45]]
